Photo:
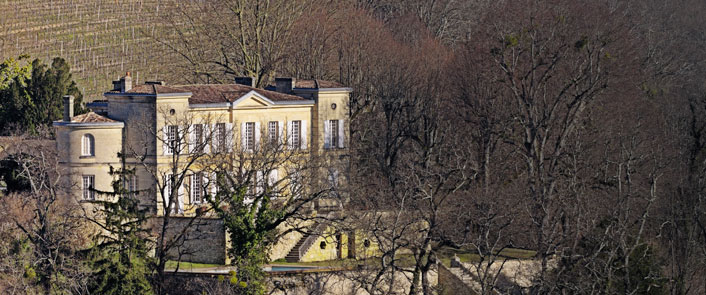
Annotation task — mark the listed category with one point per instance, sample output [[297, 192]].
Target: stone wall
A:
[[205, 240]]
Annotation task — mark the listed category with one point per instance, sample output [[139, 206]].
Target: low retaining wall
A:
[[204, 242]]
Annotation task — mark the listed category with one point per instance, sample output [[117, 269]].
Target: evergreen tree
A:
[[31, 95], [120, 258], [251, 226]]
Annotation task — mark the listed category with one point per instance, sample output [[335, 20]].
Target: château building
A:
[[152, 122]]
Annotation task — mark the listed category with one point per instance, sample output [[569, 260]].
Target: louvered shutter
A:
[[257, 135], [165, 140], [280, 129], [179, 139], [192, 188], [303, 134], [214, 184], [327, 134], [229, 137], [192, 139], [259, 182], [243, 136], [341, 134], [290, 130], [273, 178], [167, 192], [180, 199], [207, 133]]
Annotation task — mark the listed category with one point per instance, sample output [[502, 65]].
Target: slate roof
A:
[[211, 93], [92, 117]]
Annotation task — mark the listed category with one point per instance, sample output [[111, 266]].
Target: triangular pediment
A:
[[252, 99]]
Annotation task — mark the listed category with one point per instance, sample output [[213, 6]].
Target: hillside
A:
[[101, 39]]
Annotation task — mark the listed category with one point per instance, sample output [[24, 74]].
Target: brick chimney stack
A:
[[68, 107]]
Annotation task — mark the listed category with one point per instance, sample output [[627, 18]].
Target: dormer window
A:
[[87, 146]]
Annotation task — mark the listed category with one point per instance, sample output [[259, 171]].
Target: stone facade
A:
[[138, 122]]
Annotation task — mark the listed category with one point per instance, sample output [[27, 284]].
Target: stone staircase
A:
[[293, 255], [305, 243]]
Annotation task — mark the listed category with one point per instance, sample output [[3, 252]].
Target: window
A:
[[221, 137], [332, 134], [178, 204], [250, 136], [296, 187], [131, 185], [173, 138], [197, 187], [197, 138], [273, 132], [296, 134], [88, 186], [333, 182], [333, 178], [87, 146]]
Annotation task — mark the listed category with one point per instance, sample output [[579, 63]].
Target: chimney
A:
[[247, 81], [126, 83], [285, 85], [68, 108]]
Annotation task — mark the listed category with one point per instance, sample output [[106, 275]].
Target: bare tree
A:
[[188, 152], [227, 38], [49, 221]]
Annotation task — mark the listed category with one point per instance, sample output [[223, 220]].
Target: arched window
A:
[[87, 145]]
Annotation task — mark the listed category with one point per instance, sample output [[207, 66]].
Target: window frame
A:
[[199, 138], [197, 188], [333, 134], [296, 135], [88, 143], [88, 186], [221, 131], [249, 136], [273, 132], [172, 139], [131, 185]]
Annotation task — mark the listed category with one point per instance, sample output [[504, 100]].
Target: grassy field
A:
[[188, 265]]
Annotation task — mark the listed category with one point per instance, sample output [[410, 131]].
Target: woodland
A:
[[572, 129]]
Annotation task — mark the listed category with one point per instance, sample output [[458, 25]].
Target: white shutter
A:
[[207, 135], [167, 192], [257, 135], [259, 182], [180, 138], [303, 134], [243, 136], [180, 199], [213, 184], [192, 139], [273, 178], [192, 189], [165, 140], [205, 186], [229, 137], [327, 134], [341, 134], [290, 130], [280, 129]]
